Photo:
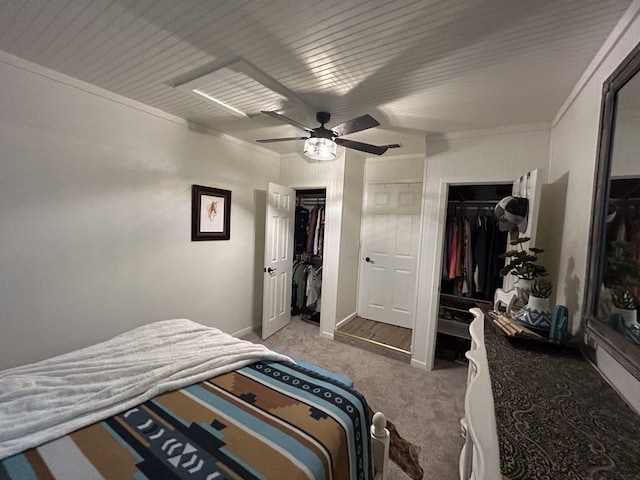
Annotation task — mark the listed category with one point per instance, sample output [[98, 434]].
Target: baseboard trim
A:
[[345, 320], [418, 364], [243, 332]]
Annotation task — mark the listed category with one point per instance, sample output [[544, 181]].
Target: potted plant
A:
[[541, 288], [521, 262], [621, 276], [625, 305], [536, 314]]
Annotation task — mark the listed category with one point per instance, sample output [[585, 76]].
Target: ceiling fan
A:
[[321, 142]]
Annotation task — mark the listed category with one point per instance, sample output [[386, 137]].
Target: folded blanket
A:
[[45, 400]]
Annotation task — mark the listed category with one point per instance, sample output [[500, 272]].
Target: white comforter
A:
[[48, 399]]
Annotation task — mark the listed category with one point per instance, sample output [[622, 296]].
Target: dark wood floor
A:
[[382, 337]]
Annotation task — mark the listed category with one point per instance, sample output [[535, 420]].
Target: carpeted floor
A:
[[425, 407]]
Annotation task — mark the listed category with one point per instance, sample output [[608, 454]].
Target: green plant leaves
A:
[[521, 262]]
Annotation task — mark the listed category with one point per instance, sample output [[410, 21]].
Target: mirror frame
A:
[[625, 353]]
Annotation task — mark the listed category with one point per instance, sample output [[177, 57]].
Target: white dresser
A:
[[480, 458], [553, 411]]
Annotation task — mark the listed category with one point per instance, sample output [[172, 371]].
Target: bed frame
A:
[[379, 446]]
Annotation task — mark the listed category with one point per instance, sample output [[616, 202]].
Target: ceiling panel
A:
[[419, 67]]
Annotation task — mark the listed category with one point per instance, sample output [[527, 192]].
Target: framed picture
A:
[[210, 213]]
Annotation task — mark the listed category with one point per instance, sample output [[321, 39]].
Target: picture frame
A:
[[210, 213]]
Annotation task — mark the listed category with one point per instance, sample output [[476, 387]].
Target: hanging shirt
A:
[[446, 253], [301, 223], [480, 255], [467, 284], [311, 226], [313, 285], [453, 251], [316, 233], [300, 279], [460, 247], [321, 232]]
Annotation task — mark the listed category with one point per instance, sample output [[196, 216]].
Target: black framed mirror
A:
[[613, 269]]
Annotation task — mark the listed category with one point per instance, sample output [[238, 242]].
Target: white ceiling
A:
[[419, 67]]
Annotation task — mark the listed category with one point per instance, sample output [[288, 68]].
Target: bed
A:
[[179, 400]]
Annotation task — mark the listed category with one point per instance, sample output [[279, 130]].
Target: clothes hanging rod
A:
[[313, 192], [473, 203]]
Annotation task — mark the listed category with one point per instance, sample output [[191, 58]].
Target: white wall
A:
[[573, 156], [349, 261], [95, 215], [399, 169], [473, 158]]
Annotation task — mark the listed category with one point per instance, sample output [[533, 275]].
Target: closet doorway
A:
[[308, 245], [388, 270], [390, 235], [471, 262]]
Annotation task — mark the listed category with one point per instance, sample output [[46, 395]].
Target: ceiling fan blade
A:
[[355, 125], [271, 140], [363, 147], [282, 118]]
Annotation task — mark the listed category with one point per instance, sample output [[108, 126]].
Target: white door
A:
[[391, 227], [278, 259]]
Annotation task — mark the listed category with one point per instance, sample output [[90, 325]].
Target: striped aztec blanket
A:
[[265, 420]]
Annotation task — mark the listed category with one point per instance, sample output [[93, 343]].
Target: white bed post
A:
[[379, 446]]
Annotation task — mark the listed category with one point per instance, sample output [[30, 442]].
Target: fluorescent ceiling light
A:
[[238, 88]]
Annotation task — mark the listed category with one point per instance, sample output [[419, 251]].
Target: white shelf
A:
[[454, 328]]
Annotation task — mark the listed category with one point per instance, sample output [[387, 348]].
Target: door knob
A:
[[269, 270], [368, 260]]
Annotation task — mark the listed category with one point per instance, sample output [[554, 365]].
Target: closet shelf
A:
[[464, 299], [455, 309], [454, 328], [458, 326]]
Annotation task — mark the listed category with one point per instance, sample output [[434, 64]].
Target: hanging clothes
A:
[[311, 225], [467, 282], [497, 242], [313, 285], [480, 253], [471, 255], [300, 285], [301, 224], [453, 250], [447, 249], [459, 245], [320, 242], [308, 245]]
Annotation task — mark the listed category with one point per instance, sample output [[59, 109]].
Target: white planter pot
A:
[[536, 314], [630, 316], [524, 289]]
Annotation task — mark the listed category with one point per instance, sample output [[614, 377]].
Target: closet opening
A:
[[471, 263], [308, 244]]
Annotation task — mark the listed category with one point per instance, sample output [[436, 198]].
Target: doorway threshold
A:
[[377, 337]]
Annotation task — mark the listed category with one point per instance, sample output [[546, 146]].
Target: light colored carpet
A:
[[425, 407]]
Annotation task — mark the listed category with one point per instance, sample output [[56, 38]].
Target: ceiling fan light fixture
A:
[[320, 149]]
